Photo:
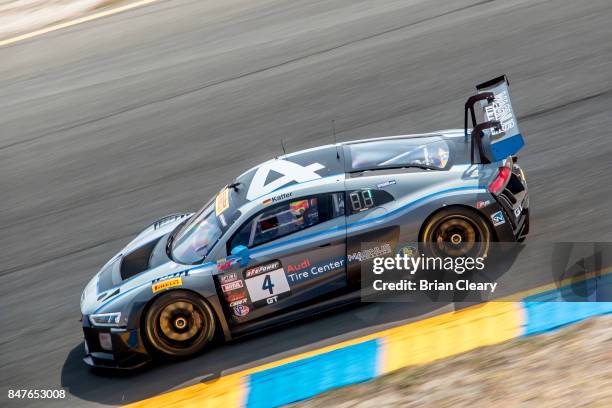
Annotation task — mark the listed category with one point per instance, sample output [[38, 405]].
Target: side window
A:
[[288, 217], [364, 199]]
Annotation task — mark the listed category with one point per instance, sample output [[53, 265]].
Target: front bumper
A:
[[127, 351]]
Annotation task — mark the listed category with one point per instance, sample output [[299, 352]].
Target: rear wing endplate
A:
[[495, 134]]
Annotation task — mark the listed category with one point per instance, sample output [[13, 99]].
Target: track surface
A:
[[109, 124]]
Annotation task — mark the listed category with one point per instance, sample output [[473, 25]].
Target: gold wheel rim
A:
[[180, 321]]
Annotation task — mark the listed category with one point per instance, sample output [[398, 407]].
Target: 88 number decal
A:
[[361, 200]]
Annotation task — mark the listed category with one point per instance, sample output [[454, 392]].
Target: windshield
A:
[[195, 239], [430, 152]]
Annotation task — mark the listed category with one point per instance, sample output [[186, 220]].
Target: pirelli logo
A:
[[166, 284]]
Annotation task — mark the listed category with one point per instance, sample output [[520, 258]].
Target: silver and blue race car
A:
[[284, 240]]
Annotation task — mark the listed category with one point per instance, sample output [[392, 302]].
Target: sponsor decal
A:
[[228, 277], [235, 296], [166, 284], [238, 302], [259, 269], [330, 266], [498, 218], [222, 201], [241, 310], [291, 172], [482, 204], [172, 275], [277, 198], [386, 184], [232, 286], [370, 253], [501, 110], [299, 266], [310, 272], [225, 264]]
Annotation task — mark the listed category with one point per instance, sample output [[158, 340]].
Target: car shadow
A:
[[350, 321], [122, 387]]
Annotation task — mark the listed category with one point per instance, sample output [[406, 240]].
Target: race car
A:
[[284, 240]]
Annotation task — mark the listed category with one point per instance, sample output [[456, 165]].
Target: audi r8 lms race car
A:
[[283, 240]]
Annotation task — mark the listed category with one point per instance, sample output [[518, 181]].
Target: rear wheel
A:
[[179, 324], [456, 232]]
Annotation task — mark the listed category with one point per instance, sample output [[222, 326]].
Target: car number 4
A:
[[265, 285], [268, 285]]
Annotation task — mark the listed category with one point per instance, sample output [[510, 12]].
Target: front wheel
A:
[[179, 324], [456, 232]]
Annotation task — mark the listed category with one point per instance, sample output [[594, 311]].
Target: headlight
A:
[[105, 319]]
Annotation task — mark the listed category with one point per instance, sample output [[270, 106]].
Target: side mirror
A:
[[242, 252]]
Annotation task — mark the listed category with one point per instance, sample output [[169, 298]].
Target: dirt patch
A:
[[568, 368]]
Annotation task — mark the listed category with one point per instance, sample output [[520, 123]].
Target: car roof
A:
[[330, 161], [450, 133], [447, 133]]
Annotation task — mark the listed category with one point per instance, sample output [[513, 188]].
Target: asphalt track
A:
[[108, 124]]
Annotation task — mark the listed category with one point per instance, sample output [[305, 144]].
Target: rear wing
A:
[[495, 134]]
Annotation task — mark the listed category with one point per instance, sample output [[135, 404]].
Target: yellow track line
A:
[[74, 22], [514, 298], [428, 334]]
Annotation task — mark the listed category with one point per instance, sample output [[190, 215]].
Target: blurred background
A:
[[109, 124], [23, 16]]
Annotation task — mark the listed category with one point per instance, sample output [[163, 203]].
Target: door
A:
[[368, 235], [297, 254]]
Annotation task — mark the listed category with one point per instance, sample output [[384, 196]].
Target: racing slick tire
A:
[[456, 232], [178, 324]]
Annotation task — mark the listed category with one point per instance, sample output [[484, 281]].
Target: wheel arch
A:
[[458, 206], [220, 323]]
